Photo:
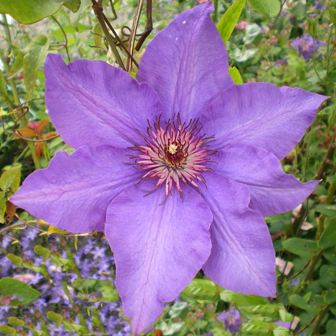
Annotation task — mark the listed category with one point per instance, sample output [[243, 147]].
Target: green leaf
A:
[[73, 327], [14, 321], [269, 8], [328, 236], [327, 276], [229, 19], [107, 292], [31, 11], [326, 209], [201, 289], [35, 57], [10, 179], [301, 302], [299, 246], [17, 261], [54, 317], [330, 296], [42, 251], [73, 5], [235, 75], [242, 300], [17, 65], [98, 35], [6, 330], [19, 289]]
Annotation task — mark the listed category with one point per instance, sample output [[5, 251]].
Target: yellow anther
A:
[[172, 149]]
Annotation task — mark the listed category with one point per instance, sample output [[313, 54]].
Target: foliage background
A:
[[56, 283]]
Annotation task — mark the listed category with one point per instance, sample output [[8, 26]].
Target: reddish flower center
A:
[[174, 154]]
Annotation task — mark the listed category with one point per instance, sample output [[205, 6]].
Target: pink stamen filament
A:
[[174, 154]]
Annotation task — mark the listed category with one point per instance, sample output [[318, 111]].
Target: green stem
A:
[[10, 227], [215, 13], [64, 35], [331, 192], [319, 319], [10, 45], [133, 33], [7, 31]]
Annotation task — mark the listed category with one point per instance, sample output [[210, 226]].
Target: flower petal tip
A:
[[54, 59]]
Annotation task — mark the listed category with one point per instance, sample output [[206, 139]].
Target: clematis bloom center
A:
[[176, 153]]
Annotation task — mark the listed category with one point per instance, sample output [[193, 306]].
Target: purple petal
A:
[[186, 63], [74, 191], [261, 115], [272, 191], [286, 325], [92, 103], [242, 257], [159, 245]]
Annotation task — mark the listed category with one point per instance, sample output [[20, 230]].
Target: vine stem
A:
[[98, 10], [133, 33], [64, 35]]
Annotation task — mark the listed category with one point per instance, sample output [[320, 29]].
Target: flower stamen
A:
[[175, 154]]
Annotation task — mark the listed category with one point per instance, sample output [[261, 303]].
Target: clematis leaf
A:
[[28, 12], [269, 8], [229, 19], [73, 5]]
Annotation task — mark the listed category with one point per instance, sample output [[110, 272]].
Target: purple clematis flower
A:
[[307, 46], [178, 167]]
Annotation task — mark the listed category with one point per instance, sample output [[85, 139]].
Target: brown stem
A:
[[19, 135], [120, 42], [98, 10], [149, 25], [131, 41]]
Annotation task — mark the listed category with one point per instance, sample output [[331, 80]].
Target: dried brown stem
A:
[[149, 25], [131, 41]]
